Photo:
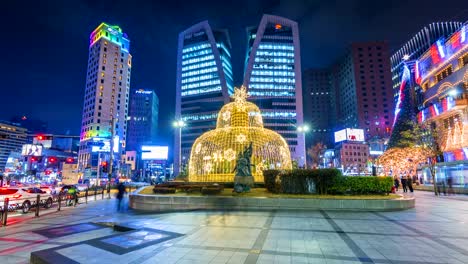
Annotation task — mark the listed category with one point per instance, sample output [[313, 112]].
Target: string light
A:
[[214, 153]]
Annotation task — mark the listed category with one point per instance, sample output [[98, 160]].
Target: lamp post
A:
[[303, 129], [179, 124]]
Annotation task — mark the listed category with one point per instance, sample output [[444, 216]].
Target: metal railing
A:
[[59, 200]]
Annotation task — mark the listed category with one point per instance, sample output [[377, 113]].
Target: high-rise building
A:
[[12, 138], [204, 84], [318, 112], [416, 46], [363, 90], [442, 74], [143, 119], [105, 106], [273, 77]]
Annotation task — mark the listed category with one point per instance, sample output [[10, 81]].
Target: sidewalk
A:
[[96, 233]]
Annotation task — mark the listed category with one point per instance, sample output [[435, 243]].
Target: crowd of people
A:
[[444, 186], [406, 183]]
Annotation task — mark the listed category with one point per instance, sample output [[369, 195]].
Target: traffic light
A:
[[104, 166], [43, 137], [70, 160], [52, 159], [33, 159]]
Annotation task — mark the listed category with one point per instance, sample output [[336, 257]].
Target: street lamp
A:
[[179, 124], [303, 129]]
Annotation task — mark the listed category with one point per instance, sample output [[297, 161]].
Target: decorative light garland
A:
[[214, 153]]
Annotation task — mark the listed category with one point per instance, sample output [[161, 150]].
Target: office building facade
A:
[[318, 114], [273, 78], [204, 84], [362, 86], [105, 107], [416, 46], [143, 119], [12, 138]]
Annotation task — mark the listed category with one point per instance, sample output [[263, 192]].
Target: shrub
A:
[[269, 177], [300, 181], [324, 181], [362, 185], [164, 190]]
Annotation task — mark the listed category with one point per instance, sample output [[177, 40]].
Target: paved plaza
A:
[[435, 231]]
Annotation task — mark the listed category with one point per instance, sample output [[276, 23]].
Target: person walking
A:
[[397, 183], [410, 183], [450, 185], [120, 195], [73, 192], [404, 182]]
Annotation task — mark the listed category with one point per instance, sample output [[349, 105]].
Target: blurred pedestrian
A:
[[410, 183], [73, 192], [397, 183], [450, 185], [120, 195], [404, 182]]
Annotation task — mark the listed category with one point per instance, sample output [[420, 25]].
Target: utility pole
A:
[[98, 169], [111, 158]]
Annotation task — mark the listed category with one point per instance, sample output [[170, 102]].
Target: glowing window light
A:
[[198, 59], [436, 109], [196, 54], [463, 34], [417, 73], [440, 48], [197, 72], [197, 47]]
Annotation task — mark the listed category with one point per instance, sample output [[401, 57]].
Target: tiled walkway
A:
[[436, 231]]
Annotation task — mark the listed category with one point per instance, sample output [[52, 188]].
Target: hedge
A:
[[362, 185], [324, 181], [164, 190], [300, 181]]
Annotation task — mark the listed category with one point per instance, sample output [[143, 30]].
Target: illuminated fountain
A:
[[214, 154]]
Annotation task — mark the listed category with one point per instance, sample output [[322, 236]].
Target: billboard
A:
[[31, 150], [340, 135], [350, 134], [154, 152], [103, 144], [354, 134]]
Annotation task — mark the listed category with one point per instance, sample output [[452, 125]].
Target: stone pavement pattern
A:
[[435, 231]]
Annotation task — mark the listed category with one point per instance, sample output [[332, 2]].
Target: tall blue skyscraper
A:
[[273, 77], [204, 84], [143, 119]]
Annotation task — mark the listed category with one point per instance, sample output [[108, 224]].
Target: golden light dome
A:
[[213, 156]]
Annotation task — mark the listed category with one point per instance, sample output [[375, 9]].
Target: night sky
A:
[[45, 43]]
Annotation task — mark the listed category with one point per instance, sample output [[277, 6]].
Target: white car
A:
[[24, 198]]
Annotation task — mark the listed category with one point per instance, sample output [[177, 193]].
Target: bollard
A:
[[5, 211], [38, 201], [95, 193], [102, 194], [59, 202], [86, 196], [108, 191]]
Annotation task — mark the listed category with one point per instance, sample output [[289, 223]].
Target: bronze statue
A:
[[243, 179]]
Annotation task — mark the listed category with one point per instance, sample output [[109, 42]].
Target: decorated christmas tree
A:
[[405, 115]]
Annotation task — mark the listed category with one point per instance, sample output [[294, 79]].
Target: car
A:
[[24, 198]]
